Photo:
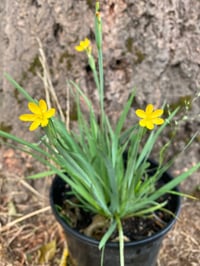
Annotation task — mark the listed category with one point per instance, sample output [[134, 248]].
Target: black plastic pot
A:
[[84, 250]]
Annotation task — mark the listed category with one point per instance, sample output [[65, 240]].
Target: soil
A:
[[27, 223]]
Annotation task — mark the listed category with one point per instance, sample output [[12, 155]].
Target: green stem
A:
[[101, 80], [121, 241], [94, 71], [98, 35]]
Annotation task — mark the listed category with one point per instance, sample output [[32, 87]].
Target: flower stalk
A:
[[98, 36]]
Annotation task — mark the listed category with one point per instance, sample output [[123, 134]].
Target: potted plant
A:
[[107, 194]]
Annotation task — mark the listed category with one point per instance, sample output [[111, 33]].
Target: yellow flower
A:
[[40, 116], [84, 45], [150, 117]]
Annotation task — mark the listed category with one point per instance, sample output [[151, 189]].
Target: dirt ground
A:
[[29, 234]]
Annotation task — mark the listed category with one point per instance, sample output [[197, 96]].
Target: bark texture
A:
[[151, 45]]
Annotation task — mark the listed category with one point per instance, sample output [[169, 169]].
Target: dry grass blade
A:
[[46, 78], [31, 189], [7, 226]]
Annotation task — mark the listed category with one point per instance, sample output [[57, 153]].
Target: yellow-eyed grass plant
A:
[[91, 160]]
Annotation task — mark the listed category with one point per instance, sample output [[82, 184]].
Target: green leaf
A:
[[112, 178], [19, 88], [175, 182], [108, 234], [149, 210], [123, 116], [40, 175]]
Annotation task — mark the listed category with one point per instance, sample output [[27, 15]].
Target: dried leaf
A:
[[65, 254], [11, 209], [47, 252]]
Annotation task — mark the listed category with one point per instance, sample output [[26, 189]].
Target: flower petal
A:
[[142, 123], [50, 113], [34, 125], [149, 125], [34, 108], [149, 109], [157, 113], [27, 117], [78, 48], [43, 106], [84, 46], [44, 122], [140, 113], [86, 42], [158, 121]]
